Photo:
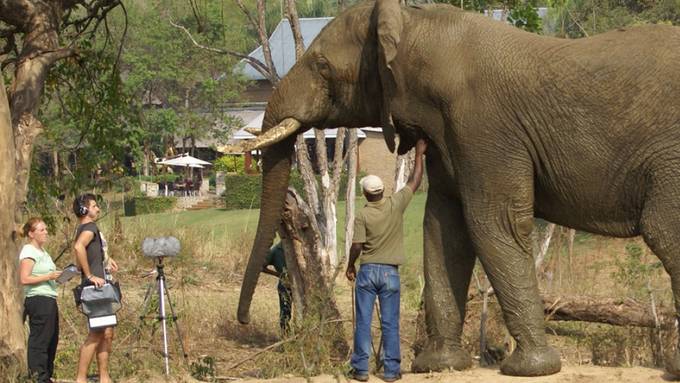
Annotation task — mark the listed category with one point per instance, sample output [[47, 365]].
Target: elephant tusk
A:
[[276, 134], [254, 131]]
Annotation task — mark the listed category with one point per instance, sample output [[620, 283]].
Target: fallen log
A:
[[617, 312]]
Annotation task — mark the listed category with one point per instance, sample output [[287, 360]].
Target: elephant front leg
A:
[[500, 222], [448, 263]]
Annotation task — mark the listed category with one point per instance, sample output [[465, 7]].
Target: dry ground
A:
[[209, 329]]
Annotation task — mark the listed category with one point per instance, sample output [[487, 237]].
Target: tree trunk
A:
[[12, 348], [145, 164], [570, 250], [545, 244], [307, 173], [39, 52], [330, 197], [350, 197], [55, 166], [405, 164], [312, 292], [618, 312]]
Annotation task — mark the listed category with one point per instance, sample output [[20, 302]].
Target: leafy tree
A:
[[93, 131], [34, 36], [524, 15], [580, 18], [179, 94]]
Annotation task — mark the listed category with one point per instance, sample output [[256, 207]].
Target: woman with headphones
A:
[[90, 257]]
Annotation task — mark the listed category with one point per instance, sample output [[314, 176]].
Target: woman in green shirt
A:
[[37, 273]]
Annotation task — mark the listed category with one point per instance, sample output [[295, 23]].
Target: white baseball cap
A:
[[372, 184]]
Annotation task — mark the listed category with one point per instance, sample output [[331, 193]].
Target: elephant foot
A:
[[537, 361], [673, 364], [439, 357]]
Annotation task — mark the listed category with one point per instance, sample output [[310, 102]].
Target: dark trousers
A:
[[43, 321], [285, 303]]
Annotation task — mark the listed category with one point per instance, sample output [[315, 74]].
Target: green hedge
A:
[[243, 191], [149, 205], [160, 178]]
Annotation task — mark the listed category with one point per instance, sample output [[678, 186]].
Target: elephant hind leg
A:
[[498, 209], [501, 237], [660, 226]]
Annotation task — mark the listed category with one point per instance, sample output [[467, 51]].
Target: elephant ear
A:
[[389, 25]]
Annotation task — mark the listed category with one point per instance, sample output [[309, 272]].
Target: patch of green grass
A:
[[231, 223], [217, 222]]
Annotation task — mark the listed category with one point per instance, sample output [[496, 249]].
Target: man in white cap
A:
[[378, 243]]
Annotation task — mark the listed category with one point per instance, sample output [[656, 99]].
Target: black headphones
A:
[[80, 209]]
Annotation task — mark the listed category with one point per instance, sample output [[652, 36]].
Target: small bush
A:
[[230, 164], [149, 205], [160, 178], [243, 191]]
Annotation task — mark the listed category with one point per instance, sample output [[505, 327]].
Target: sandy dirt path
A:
[[569, 374]]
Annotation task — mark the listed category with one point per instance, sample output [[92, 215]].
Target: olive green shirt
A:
[[379, 227]]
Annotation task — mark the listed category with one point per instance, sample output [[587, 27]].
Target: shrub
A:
[[149, 205], [230, 164], [243, 191], [160, 178]]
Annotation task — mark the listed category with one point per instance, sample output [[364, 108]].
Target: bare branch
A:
[[195, 11], [264, 39], [257, 64], [246, 12], [93, 13], [261, 29], [338, 159], [291, 13]]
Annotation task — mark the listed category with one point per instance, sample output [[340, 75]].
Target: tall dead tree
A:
[[312, 291], [34, 34]]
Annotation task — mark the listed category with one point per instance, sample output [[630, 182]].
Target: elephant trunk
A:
[[276, 163]]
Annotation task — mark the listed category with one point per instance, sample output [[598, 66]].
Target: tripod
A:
[[162, 291]]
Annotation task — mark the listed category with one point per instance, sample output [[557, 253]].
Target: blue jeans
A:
[[382, 281]]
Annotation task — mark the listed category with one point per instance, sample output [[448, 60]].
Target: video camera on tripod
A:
[[159, 248]]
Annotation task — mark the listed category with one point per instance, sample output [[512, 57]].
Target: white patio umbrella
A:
[[184, 160]]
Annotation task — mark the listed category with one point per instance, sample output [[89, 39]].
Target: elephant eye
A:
[[323, 67]]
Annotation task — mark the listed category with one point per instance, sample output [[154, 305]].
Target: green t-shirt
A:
[[379, 227], [43, 265]]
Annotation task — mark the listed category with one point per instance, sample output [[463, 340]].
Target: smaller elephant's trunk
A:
[[276, 164]]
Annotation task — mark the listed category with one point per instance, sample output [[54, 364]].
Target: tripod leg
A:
[[144, 309], [147, 301], [162, 316], [176, 324]]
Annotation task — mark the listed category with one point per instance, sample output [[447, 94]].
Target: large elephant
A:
[[584, 133]]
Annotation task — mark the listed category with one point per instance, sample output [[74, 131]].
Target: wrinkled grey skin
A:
[[584, 133]]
